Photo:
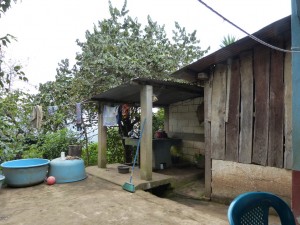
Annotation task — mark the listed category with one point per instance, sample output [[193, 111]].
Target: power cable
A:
[[248, 34]]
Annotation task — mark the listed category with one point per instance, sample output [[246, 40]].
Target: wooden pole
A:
[[207, 130], [295, 25], [102, 139], [146, 141]]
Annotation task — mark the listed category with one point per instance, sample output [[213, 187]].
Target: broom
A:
[[130, 186]]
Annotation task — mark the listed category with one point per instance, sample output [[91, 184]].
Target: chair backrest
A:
[[252, 208]]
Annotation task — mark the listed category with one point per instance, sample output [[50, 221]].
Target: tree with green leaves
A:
[[16, 70], [117, 50], [57, 93], [120, 48], [227, 40], [15, 127]]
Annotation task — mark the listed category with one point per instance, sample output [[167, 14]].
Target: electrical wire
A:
[[248, 34]]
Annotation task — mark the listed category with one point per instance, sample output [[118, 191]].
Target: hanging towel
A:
[[37, 116], [110, 114]]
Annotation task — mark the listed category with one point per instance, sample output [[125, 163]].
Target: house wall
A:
[[250, 109], [248, 123], [231, 179], [184, 124]]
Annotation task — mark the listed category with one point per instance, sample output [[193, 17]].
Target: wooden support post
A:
[[146, 142], [102, 140], [207, 130], [295, 18]]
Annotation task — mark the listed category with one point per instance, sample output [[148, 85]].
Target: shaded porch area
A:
[[146, 94], [173, 176]]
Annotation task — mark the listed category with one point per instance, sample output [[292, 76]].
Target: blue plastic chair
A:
[[252, 208]]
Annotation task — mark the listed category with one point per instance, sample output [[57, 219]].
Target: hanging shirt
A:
[[110, 114]]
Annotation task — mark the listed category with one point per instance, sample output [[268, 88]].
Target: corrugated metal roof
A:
[[167, 92], [281, 27]]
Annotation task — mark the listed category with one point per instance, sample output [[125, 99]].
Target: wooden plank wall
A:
[[261, 67], [288, 154], [246, 108], [232, 124], [218, 103], [276, 120], [250, 109]]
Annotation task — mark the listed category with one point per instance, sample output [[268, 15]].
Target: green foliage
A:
[[115, 51], [53, 143], [4, 6], [9, 71], [227, 40], [115, 151], [15, 127], [93, 155], [14, 71], [32, 152], [158, 120], [58, 93], [198, 157], [119, 49]]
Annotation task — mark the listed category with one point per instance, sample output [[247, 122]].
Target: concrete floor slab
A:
[[171, 176], [96, 201]]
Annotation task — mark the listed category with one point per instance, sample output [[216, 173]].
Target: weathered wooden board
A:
[[218, 112], [232, 125], [208, 93], [276, 116], [246, 121], [288, 154], [261, 125], [207, 105]]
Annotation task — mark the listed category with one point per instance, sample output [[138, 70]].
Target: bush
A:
[[50, 145], [115, 151], [158, 120], [93, 155], [33, 152]]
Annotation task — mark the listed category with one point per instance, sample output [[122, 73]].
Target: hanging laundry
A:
[[125, 110], [110, 114], [78, 116], [52, 110], [37, 116]]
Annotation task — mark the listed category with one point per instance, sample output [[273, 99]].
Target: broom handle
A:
[[137, 149]]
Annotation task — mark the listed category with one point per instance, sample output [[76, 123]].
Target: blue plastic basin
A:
[[2, 178], [25, 172], [66, 171]]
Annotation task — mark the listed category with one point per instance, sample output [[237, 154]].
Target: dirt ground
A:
[[95, 201]]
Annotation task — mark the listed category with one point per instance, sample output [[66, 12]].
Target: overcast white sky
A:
[[47, 29]]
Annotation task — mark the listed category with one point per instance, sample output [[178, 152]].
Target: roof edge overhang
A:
[[190, 72]]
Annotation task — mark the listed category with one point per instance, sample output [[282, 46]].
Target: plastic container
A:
[[25, 172], [66, 171], [2, 178], [123, 169]]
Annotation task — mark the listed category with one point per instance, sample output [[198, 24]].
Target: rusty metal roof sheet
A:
[[167, 92], [281, 27]]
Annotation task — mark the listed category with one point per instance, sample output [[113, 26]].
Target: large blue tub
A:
[[25, 172], [66, 171]]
